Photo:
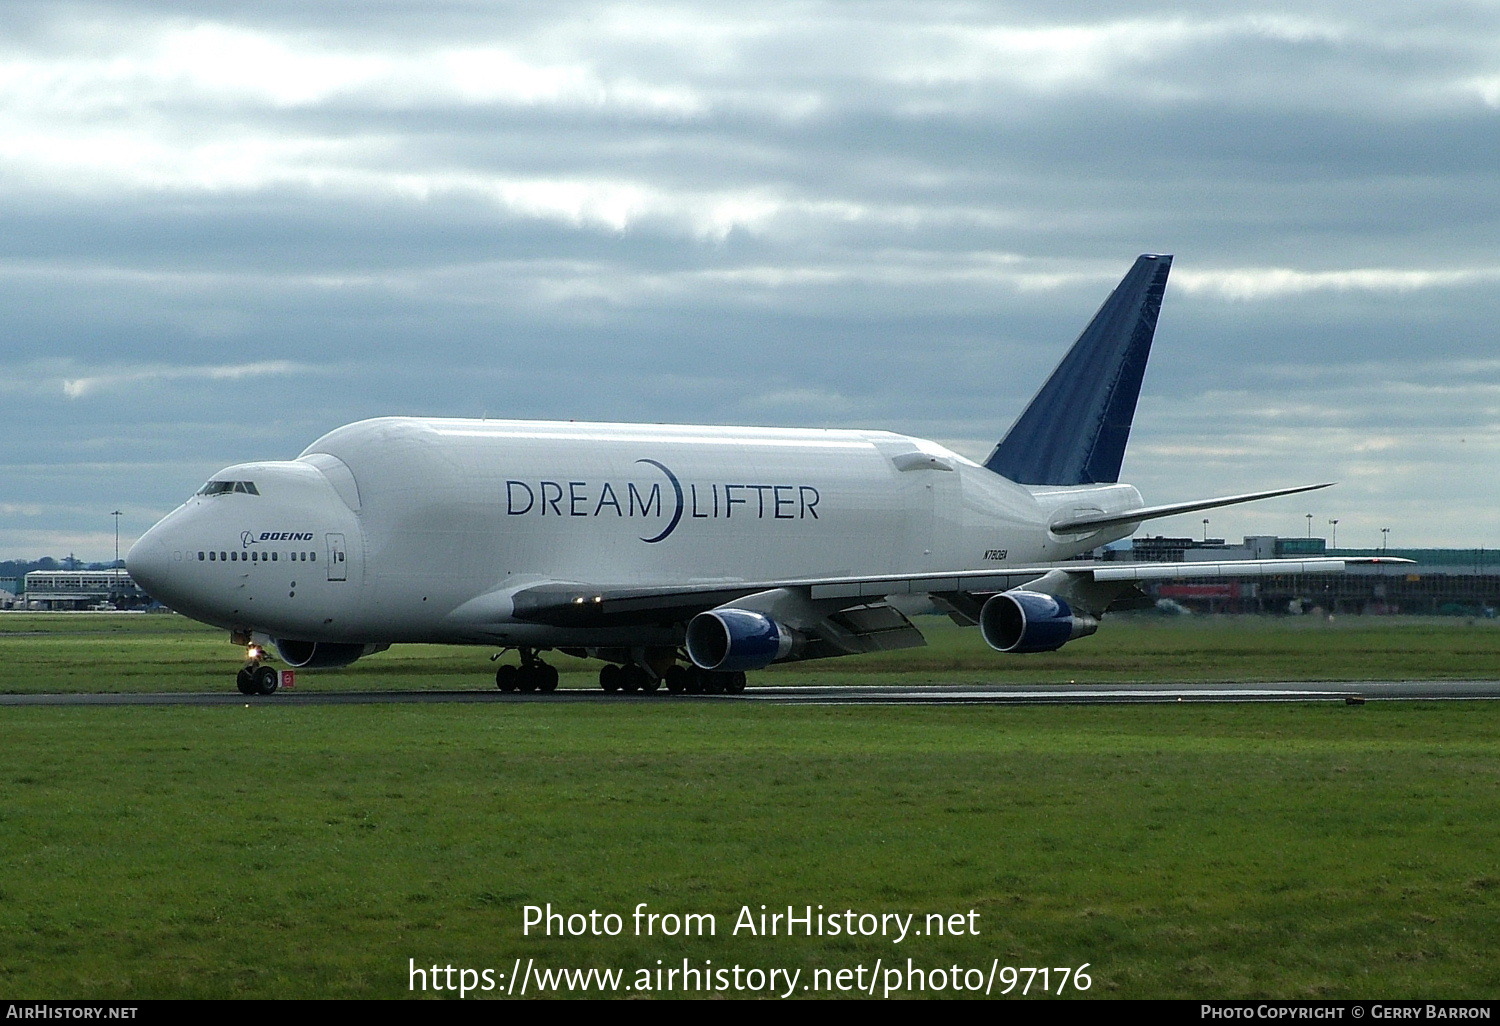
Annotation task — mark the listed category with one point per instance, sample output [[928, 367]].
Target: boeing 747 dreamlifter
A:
[[683, 555]]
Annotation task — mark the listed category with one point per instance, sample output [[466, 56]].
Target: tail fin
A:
[[1075, 430]]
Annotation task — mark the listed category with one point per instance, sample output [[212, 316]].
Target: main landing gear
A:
[[679, 680], [647, 668], [689, 679], [531, 675], [640, 672]]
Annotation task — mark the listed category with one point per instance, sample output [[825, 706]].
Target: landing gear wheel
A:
[[734, 683], [531, 675], [546, 677], [267, 680], [245, 681], [677, 679], [632, 676], [649, 682], [505, 677], [609, 677]]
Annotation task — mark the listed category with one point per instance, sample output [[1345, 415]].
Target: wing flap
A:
[[1231, 568]]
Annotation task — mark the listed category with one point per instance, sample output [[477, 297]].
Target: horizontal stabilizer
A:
[[1100, 521]]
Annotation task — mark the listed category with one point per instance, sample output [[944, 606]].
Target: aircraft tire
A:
[[546, 677], [245, 681], [649, 682], [505, 677], [267, 680], [609, 677], [734, 683], [631, 676], [677, 679]]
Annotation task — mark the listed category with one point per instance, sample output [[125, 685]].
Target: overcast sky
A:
[[226, 228]]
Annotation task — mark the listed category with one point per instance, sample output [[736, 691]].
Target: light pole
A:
[[1385, 539], [117, 514], [1333, 534], [1309, 525], [1205, 530]]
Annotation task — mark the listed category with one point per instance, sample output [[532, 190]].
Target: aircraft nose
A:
[[149, 562]]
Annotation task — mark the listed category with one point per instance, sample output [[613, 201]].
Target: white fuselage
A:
[[402, 529]]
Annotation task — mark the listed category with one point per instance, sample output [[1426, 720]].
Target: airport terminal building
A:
[[81, 589], [1456, 582]]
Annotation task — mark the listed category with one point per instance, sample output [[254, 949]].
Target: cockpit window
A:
[[221, 487]]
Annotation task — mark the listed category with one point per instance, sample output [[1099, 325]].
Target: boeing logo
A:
[[630, 500], [249, 538]]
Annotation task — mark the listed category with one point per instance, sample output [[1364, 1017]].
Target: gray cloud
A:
[[234, 226]]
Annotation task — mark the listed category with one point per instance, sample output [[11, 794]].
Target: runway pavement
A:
[[886, 694]]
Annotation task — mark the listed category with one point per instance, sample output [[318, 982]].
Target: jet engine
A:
[[736, 639], [322, 655], [1028, 621]]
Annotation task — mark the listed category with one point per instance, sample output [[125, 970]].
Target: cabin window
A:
[[211, 555]]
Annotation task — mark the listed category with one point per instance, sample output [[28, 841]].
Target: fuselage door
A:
[[338, 566]]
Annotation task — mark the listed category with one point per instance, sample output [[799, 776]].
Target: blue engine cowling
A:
[[322, 655], [736, 639], [1028, 621]]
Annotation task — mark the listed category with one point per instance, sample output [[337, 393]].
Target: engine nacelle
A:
[[1028, 621], [322, 655], [736, 639]]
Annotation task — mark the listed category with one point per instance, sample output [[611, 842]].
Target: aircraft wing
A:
[[1090, 586]]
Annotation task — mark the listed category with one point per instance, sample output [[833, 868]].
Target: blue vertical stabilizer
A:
[[1075, 429]]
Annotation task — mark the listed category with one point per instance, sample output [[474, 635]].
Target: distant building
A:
[[1161, 549], [1462, 582], [83, 589]]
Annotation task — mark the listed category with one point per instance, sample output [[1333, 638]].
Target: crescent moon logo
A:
[[677, 513]]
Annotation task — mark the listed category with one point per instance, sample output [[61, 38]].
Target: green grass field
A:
[[266, 850], [124, 652]]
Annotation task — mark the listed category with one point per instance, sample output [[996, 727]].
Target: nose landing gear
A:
[[257, 679]]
